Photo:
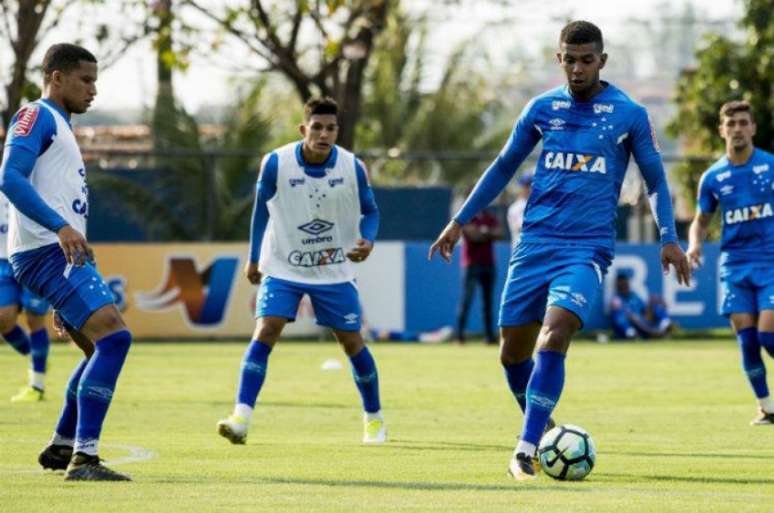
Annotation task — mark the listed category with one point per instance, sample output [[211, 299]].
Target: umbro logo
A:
[[557, 124], [726, 190], [316, 227]]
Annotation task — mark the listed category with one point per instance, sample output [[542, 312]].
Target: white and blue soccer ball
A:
[[567, 452]]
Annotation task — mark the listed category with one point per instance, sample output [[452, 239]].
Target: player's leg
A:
[[276, 303], [468, 288], [516, 348], [522, 308], [661, 322], [338, 307], [739, 304], [764, 281], [35, 309], [12, 332], [570, 299], [57, 455]]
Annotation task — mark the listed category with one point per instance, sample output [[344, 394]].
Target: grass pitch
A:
[[670, 421]]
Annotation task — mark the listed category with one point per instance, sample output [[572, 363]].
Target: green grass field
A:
[[670, 421]]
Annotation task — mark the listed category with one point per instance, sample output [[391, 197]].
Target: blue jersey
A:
[[745, 195], [577, 182]]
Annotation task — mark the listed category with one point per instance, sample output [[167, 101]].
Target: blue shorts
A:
[[542, 275], [336, 306], [11, 293], [74, 292], [746, 289]]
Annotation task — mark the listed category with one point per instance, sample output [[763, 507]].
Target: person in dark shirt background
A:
[[478, 265]]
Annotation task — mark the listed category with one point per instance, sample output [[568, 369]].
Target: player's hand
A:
[[446, 241], [76, 249], [672, 253], [252, 273], [694, 255], [59, 327], [361, 250]]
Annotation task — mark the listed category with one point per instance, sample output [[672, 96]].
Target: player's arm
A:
[[648, 158], [520, 144], [369, 222], [706, 205], [265, 189], [21, 152]]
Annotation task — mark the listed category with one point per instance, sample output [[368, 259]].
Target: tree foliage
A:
[[726, 70], [331, 62]]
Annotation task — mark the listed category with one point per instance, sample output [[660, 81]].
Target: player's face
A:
[[78, 87], [738, 130], [581, 64], [320, 133]]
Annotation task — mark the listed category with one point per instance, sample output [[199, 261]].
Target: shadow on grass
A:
[[418, 485], [767, 457], [601, 477], [424, 445]]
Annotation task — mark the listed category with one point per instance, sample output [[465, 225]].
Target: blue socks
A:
[[18, 340], [752, 363], [766, 339], [65, 428], [96, 387], [39, 344], [253, 372], [366, 379], [517, 375], [543, 391]]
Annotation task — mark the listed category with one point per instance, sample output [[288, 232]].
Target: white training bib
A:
[[313, 222], [59, 177], [5, 207]]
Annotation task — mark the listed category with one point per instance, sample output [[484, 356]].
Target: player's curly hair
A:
[[64, 57], [581, 32], [320, 105], [728, 109]]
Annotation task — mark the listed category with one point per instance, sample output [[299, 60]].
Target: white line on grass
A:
[[136, 454]]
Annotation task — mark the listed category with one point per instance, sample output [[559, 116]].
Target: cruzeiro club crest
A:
[[204, 294]]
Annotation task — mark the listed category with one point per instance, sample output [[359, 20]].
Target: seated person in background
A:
[[632, 318]]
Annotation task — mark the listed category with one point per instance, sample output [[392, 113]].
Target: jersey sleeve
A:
[[707, 201], [369, 223], [32, 128], [265, 189], [520, 144]]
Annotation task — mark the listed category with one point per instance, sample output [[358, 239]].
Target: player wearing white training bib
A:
[[314, 215], [44, 178], [311, 223], [14, 298]]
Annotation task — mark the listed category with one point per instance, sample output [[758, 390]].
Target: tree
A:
[[332, 61], [25, 23], [726, 70]]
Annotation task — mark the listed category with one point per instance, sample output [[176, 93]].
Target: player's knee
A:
[[555, 337], [103, 322], [268, 331], [8, 318]]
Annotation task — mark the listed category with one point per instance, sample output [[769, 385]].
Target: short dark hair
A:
[[581, 32], [317, 105], [730, 108], [64, 57]]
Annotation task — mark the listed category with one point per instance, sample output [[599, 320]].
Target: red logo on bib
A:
[[26, 120]]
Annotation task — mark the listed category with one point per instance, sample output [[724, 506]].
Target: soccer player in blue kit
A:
[[314, 215], [13, 299], [44, 178], [589, 129], [741, 186]]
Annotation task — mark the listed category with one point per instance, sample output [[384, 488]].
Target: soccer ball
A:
[[567, 452]]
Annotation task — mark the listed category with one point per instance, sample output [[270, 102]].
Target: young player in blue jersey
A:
[[631, 317], [314, 214], [44, 178], [741, 186], [14, 298], [589, 129]]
